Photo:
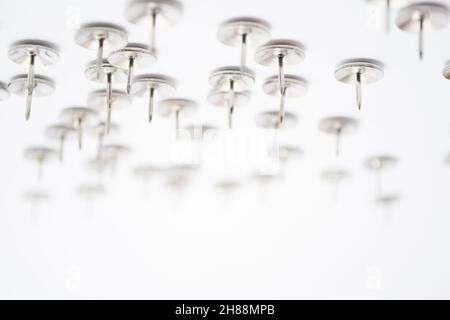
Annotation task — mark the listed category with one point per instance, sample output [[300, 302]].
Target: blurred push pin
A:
[[270, 120], [358, 72], [420, 16], [4, 92], [244, 32], [112, 153], [40, 155], [134, 55], [59, 132], [151, 11], [227, 83], [379, 164], [119, 100], [152, 84], [99, 131], [79, 117], [177, 107], [338, 126], [335, 177]]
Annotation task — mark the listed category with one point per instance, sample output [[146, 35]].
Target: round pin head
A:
[[43, 86], [221, 78], [39, 153], [294, 86], [91, 190], [100, 128], [36, 196], [227, 185], [335, 176], [271, 120], [58, 131], [45, 53], [163, 85], [89, 35], [144, 171], [268, 54], [140, 10], [256, 31], [369, 71], [4, 92], [387, 199], [197, 132], [93, 73], [114, 151], [288, 152], [338, 125], [119, 99], [380, 162], [168, 107], [222, 98], [140, 54], [74, 115], [435, 16]]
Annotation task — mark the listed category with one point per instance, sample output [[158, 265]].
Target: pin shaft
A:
[[61, 147], [231, 105], [421, 36], [243, 52], [130, 74], [30, 87], [281, 72], [150, 104], [152, 39], [358, 90], [99, 55], [80, 133], [108, 101]]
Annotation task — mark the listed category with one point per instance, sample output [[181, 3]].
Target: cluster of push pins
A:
[[231, 86]]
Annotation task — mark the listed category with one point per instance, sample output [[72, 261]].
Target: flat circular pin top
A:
[[227, 185], [168, 107], [256, 31], [45, 53], [169, 10], [387, 199], [98, 98], [140, 54], [4, 92], [43, 86], [436, 16], [288, 152], [39, 153], [295, 86], [197, 132], [100, 128], [271, 120], [146, 170], [162, 84], [222, 98], [113, 151], [380, 162], [242, 80], [89, 35], [335, 175], [75, 114], [90, 190], [370, 71], [57, 131], [268, 54], [36, 195], [339, 124], [118, 75]]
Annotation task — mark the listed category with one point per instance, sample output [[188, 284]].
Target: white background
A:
[[286, 241]]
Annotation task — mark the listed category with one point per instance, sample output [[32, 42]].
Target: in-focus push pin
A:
[[33, 53], [379, 164], [358, 72], [60, 132], [293, 87], [152, 11], [99, 131], [177, 107], [134, 55], [229, 81], [106, 74], [335, 177], [338, 126], [244, 32], [101, 37], [152, 84], [420, 16], [388, 5], [40, 155], [271, 120], [4, 92], [79, 118]]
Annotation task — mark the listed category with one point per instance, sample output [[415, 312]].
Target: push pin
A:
[[79, 117], [293, 87], [227, 186], [280, 53], [271, 120], [177, 107], [358, 72], [152, 84], [134, 55], [335, 177], [34, 53], [145, 173], [338, 126], [119, 100], [4, 92], [288, 152], [98, 166], [244, 32], [151, 11], [101, 37], [99, 132], [59, 132], [388, 5], [36, 197], [40, 155], [230, 81], [112, 153], [90, 192], [222, 99], [418, 16], [198, 132], [379, 164], [108, 74]]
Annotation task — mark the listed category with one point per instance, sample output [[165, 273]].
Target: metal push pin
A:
[[4, 92], [230, 86], [271, 120], [420, 16], [99, 131], [112, 152], [90, 192], [60, 132], [118, 100], [388, 5], [144, 173], [379, 164], [152, 84], [152, 11], [338, 126], [98, 166], [134, 55], [177, 107], [198, 132], [335, 177], [244, 32], [36, 197], [33, 53], [358, 72], [40, 155], [79, 117], [101, 37], [293, 87], [108, 74]]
